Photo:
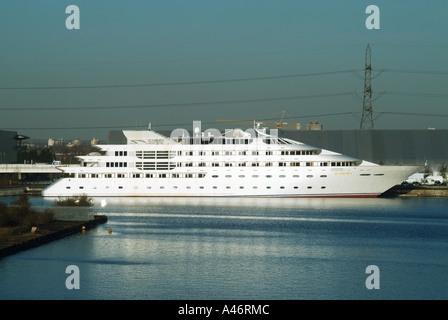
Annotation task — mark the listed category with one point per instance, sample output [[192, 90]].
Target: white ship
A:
[[236, 163]]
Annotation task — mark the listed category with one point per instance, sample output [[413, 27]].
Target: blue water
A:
[[243, 248]]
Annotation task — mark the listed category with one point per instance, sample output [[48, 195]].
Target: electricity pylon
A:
[[367, 111]]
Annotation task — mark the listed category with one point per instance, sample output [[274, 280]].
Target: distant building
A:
[[59, 142], [10, 143], [8, 147], [94, 142], [74, 143], [313, 126], [50, 142]]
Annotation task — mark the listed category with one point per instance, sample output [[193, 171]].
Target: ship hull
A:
[[360, 181]]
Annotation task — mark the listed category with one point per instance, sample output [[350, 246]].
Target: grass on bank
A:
[[21, 214], [18, 220]]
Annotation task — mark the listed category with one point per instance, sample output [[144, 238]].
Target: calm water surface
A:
[[243, 248]]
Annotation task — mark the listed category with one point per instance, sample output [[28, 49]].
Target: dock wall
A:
[[40, 240], [417, 191]]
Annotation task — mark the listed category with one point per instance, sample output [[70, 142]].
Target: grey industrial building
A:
[[388, 147], [8, 146]]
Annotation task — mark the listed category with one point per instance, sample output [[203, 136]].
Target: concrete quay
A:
[[417, 191], [57, 230]]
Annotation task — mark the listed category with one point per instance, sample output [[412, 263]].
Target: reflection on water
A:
[[243, 248], [251, 202]]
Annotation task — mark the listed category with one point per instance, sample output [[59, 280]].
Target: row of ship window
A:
[[178, 175], [202, 187], [172, 165], [172, 154], [190, 175]]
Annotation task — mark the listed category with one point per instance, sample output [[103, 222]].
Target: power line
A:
[[215, 124], [73, 128], [198, 103], [417, 114], [414, 71], [407, 71], [167, 59], [418, 94], [169, 105], [178, 83]]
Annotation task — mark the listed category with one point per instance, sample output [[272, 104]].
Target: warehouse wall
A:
[[8, 147], [381, 146]]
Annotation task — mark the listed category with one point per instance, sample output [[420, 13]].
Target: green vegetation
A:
[[6, 179], [20, 213], [36, 155]]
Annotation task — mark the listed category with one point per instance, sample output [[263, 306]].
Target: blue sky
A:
[[172, 41]]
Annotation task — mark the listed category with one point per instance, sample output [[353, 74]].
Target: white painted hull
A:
[[356, 181]]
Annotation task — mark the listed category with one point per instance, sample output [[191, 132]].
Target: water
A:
[[243, 248]]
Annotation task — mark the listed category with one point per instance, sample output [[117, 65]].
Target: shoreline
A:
[[12, 192], [46, 233], [420, 191]]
